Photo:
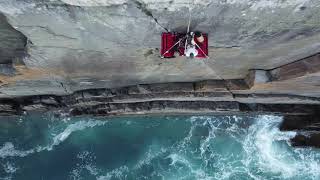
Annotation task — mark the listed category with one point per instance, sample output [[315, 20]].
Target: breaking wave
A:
[[272, 151], [257, 151], [197, 147], [9, 150]]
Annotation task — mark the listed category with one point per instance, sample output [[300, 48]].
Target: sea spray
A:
[[78, 126], [8, 149], [269, 151], [166, 147], [87, 163]]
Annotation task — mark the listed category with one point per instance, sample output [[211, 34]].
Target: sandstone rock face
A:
[[79, 44]]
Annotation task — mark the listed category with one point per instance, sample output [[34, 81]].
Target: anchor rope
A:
[[220, 77]]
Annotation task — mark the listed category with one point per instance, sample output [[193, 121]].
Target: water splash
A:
[[119, 173], [8, 149], [268, 148], [205, 147], [87, 163], [260, 150]]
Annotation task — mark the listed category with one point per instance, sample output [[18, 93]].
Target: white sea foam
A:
[[9, 168], [8, 149], [153, 152], [175, 158], [260, 150], [264, 148], [270, 156], [192, 171], [87, 164], [78, 126], [119, 173]]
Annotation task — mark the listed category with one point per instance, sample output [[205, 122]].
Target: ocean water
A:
[[42, 146]]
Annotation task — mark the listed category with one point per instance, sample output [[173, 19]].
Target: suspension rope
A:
[[207, 57]]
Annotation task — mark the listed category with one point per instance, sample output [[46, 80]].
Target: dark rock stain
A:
[[148, 53], [302, 8], [143, 7]]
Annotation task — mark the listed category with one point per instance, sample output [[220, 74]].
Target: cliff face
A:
[[79, 44], [102, 57]]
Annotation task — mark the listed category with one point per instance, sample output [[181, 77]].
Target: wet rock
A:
[[6, 109], [311, 140], [280, 107], [155, 98], [300, 122], [49, 101], [35, 107], [307, 126]]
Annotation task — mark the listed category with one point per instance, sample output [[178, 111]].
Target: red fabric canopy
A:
[[169, 39]]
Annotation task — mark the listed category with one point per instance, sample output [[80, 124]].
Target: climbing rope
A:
[[220, 77]]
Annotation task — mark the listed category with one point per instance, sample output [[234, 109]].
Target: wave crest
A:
[[8, 149]]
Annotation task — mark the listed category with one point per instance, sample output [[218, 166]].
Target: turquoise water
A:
[[42, 146]]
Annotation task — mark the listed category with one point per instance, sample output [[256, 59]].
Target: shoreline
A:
[[206, 97], [118, 101]]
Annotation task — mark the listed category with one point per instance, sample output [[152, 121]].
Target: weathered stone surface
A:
[[297, 69], [12, 42], [89, 44], [164, 98], [102, 57], [163, 87], [257, 76], [155, 107], [49, 101]]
